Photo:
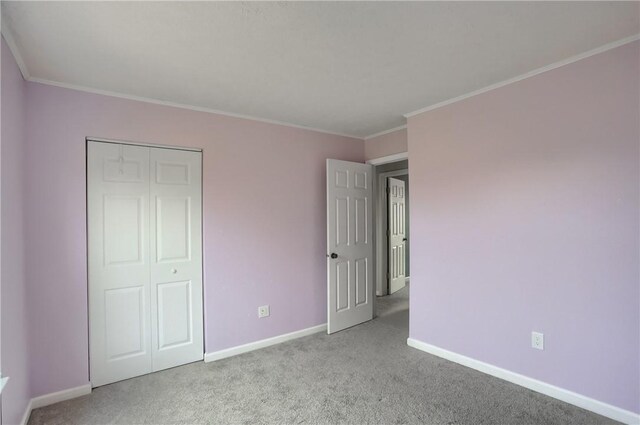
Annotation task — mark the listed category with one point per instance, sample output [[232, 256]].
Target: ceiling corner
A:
[[8, 37]]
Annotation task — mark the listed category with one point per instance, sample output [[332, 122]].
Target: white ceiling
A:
[[351, 68]]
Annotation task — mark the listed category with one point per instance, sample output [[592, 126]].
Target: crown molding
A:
[[382, 133], [184, 106], [529, 74], [25, 74], [6, 34]]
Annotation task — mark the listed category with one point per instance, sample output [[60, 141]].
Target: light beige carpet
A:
[[364, 375]]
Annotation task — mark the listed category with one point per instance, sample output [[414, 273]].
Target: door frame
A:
[[142, 144], [379, 217], [89, 139], [396, 157]]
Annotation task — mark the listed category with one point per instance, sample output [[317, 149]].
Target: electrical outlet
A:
[[263, 311], [537, 340]]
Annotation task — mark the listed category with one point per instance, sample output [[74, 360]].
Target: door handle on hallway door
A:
[[333, 255], [174, 271]]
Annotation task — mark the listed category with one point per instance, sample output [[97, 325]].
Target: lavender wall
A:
[[16, 394], [264, 221], [524, 213], [386, 144]]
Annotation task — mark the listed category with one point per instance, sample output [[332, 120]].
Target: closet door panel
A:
[[176, 257], [118, 260]]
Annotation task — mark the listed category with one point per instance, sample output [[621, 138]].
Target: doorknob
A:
[[404, 239], [333, 255], [174, 271]]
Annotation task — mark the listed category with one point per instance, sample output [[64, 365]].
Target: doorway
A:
[[362, 257], [392, 227], [387, 230]]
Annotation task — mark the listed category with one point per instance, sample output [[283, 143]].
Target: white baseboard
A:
[[234, 351], [27, 413], [52, 398], [567, 396]]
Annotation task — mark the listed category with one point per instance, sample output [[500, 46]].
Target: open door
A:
[[349, 244], [397, 235]]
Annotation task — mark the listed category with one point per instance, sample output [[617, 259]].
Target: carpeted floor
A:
[[364, 375]]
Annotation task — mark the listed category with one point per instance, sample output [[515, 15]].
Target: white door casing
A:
[[143, 317], [397, 235], [349, 244], [176, 257]]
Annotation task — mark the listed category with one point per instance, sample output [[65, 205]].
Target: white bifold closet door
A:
[[145, 259]]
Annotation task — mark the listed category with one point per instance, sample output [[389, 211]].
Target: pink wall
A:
[[524, 214], [264, 221], [13, 309], [387, 144]]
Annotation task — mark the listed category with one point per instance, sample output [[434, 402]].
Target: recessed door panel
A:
[[123, 170], [173, 228], [342, 285], [362, 282], [172, 173], [125, 322], [342, 179], [361, 179], [174, 314], [361, 224], [123, 233], [342, 221]]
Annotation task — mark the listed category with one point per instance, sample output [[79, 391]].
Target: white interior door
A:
[[397, 235], [118, 232], [349, 244], [145, 259], [176, 258]]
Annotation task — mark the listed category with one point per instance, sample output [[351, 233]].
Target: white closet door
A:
[[145, 259], [118, 232], [176, 257]]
